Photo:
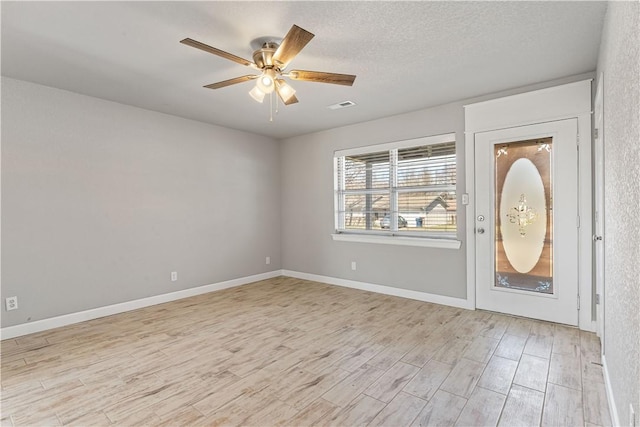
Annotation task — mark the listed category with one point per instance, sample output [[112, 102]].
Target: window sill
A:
[[399, 240]]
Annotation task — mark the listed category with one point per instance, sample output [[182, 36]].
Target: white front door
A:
[[526, 221]]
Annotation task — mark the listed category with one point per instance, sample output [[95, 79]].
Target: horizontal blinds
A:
[[369, 171], [426, 166], [422, 197], [366, 204]]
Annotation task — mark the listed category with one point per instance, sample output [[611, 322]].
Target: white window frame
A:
[[393, 236]]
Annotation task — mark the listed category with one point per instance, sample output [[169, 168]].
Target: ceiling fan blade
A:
[[291, 45], [215, 51], [288, 101], [321, 77], [230, 82]]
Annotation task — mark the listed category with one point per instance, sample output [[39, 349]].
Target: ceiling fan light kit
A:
[[271, 60], [266, 82], [286, 92], [257, 94]]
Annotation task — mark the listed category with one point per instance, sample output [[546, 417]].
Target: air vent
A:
[[343, 104]]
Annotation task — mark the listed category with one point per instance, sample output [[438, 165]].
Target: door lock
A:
[[480, 230], [481, 218]]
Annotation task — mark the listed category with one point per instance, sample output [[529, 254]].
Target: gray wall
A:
[[101, 201], [308, 219], [619, 60], [307, 204]]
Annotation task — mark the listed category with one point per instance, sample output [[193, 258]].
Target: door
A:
[[526, 221], [599, 208]]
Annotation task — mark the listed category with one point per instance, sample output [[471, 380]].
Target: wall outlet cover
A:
[[11, 303]]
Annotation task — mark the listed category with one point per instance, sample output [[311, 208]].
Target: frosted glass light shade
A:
[[285, 91], [266, 82], [257, 94]]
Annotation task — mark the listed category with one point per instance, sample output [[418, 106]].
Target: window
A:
[[406, 188]]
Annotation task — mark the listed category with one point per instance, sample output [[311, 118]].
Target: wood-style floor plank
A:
[[290, 352], [482, 409], [562, 407], [596, 406], [442, 410], [495, 326], [425, 350], [566, 340], [519, 327], [452, 351], [511, 346], [532, 373], [463, 378], [481, 349], [564, 370], [314, 414], [359, 412], [388, 385], [350, 387], [523, 407], [428, 379], [498, 374], [401, 411], [539, 345]]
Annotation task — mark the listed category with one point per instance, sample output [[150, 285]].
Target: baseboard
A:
[[615, 421], [95, 313], [380, 289]]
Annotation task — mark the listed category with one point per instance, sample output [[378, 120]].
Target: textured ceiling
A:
[[407, 55]]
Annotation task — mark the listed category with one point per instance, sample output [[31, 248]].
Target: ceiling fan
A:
[[271, 61]]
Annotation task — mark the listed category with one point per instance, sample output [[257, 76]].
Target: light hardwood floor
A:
[[292, 352]]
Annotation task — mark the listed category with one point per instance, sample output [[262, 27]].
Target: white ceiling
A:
[[406, 55]]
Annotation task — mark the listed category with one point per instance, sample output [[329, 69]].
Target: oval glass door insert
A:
[[524, 216]]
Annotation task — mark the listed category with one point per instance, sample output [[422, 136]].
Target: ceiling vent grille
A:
[[343, 104]]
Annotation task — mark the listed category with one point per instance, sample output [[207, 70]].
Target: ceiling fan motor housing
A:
[[263, 57]]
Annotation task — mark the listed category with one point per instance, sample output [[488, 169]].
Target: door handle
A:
[[480, 230]]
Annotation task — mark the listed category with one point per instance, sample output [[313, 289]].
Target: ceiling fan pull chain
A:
[[271, 107]]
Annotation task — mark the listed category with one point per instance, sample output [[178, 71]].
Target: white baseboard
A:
[[380, 289], [82, 316], [95, 313], [615, 421]]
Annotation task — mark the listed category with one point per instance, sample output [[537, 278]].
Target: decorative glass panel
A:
[[524, 215]]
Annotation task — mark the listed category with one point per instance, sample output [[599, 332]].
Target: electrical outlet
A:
[[174, 276], [11, 303], [267, 260], [353, 265], [632, 416]]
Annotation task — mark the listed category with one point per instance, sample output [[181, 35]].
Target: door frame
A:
[[599, 209], [567, 101]]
